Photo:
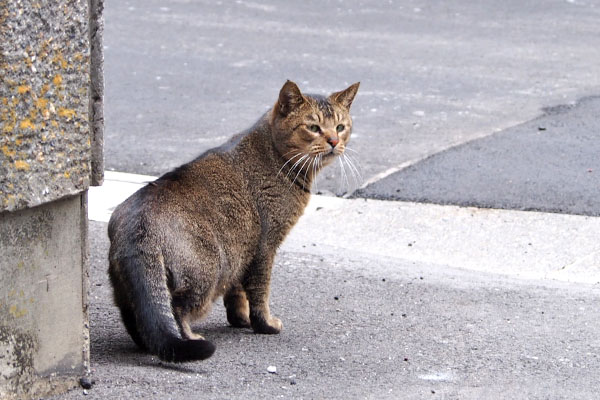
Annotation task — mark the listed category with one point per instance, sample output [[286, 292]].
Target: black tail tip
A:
[[185, 350]]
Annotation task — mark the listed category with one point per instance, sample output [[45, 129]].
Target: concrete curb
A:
[[524, 245]]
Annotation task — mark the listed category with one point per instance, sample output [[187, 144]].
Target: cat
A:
[[211, 227]]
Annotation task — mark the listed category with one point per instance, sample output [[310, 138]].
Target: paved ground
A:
[[379, 299], [394, 312], [549, 164], [183, 76]]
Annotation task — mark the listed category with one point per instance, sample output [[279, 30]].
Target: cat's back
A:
[[209, 191]]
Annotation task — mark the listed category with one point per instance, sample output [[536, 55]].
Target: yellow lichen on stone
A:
[[41, 103], [67, 174], [68, 113], [8, 152], [57, 80], [60, 60], [22, 89], [22, 165], [16, 312], [26, 124]]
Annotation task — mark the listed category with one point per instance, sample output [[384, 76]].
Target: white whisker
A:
[[286, 163], [312, 160], [352, 172], [351, 162], [300, 170], [295, 165], [316, 170], [343, 178]]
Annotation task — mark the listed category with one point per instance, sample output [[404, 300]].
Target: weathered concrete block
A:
[[45, 140], [51, 91], [97, 89], [44, 337]]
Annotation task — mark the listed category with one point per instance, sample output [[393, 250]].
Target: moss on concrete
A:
[[45, 141]]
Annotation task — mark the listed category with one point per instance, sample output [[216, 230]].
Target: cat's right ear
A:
[[290, 98]]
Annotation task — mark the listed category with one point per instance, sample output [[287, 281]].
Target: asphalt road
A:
[[182, 76], [549, 164], [358, 327], [381, 300]]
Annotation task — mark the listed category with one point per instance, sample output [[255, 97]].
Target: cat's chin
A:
[[328, 158]]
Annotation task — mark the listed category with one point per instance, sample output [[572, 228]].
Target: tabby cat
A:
[[211, 227]]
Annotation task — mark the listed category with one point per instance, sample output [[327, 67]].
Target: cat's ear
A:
[[346, 96], [290, 98]]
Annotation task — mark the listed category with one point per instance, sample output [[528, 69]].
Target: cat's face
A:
[[311, 130]]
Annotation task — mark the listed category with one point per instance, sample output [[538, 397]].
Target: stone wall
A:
[[51, 125], [43, 329], [45, 141]]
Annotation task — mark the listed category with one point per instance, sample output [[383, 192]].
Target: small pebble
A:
[[86, 383], [272, 369], [336, 297]]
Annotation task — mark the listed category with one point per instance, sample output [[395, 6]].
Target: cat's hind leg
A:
[[238, 310], [189, 316], [187, 331]]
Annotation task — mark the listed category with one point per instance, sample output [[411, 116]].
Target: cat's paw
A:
[[270, 327], [238, 320]]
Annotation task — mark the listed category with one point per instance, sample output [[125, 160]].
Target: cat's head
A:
[[314, 126]]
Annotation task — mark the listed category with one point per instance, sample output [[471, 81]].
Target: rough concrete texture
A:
[[44, 69], [549, 164], [44, 337], [97, 90]]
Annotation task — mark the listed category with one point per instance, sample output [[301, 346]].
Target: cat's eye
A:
[[314, 128], [340, 127]]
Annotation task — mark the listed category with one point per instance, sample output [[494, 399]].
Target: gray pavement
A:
[[183, 76], [379, 299], [360, 326], [549, 164]]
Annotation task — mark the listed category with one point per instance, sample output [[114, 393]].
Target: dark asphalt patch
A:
[[549, 164]]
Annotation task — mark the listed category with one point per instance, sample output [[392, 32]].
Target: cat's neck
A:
[[258, 147]]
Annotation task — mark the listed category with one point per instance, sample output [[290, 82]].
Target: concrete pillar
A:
[[50, 151]]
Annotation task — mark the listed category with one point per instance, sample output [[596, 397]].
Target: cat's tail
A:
[[154, 317]]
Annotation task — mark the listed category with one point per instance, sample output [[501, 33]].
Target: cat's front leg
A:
[[257, 286]]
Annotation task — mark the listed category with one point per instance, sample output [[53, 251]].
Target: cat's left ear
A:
[[290, 98], [346, 96]]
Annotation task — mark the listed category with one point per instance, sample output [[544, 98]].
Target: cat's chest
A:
[[279, 212]]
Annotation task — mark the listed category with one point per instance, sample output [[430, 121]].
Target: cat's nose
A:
[[333, 141]]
